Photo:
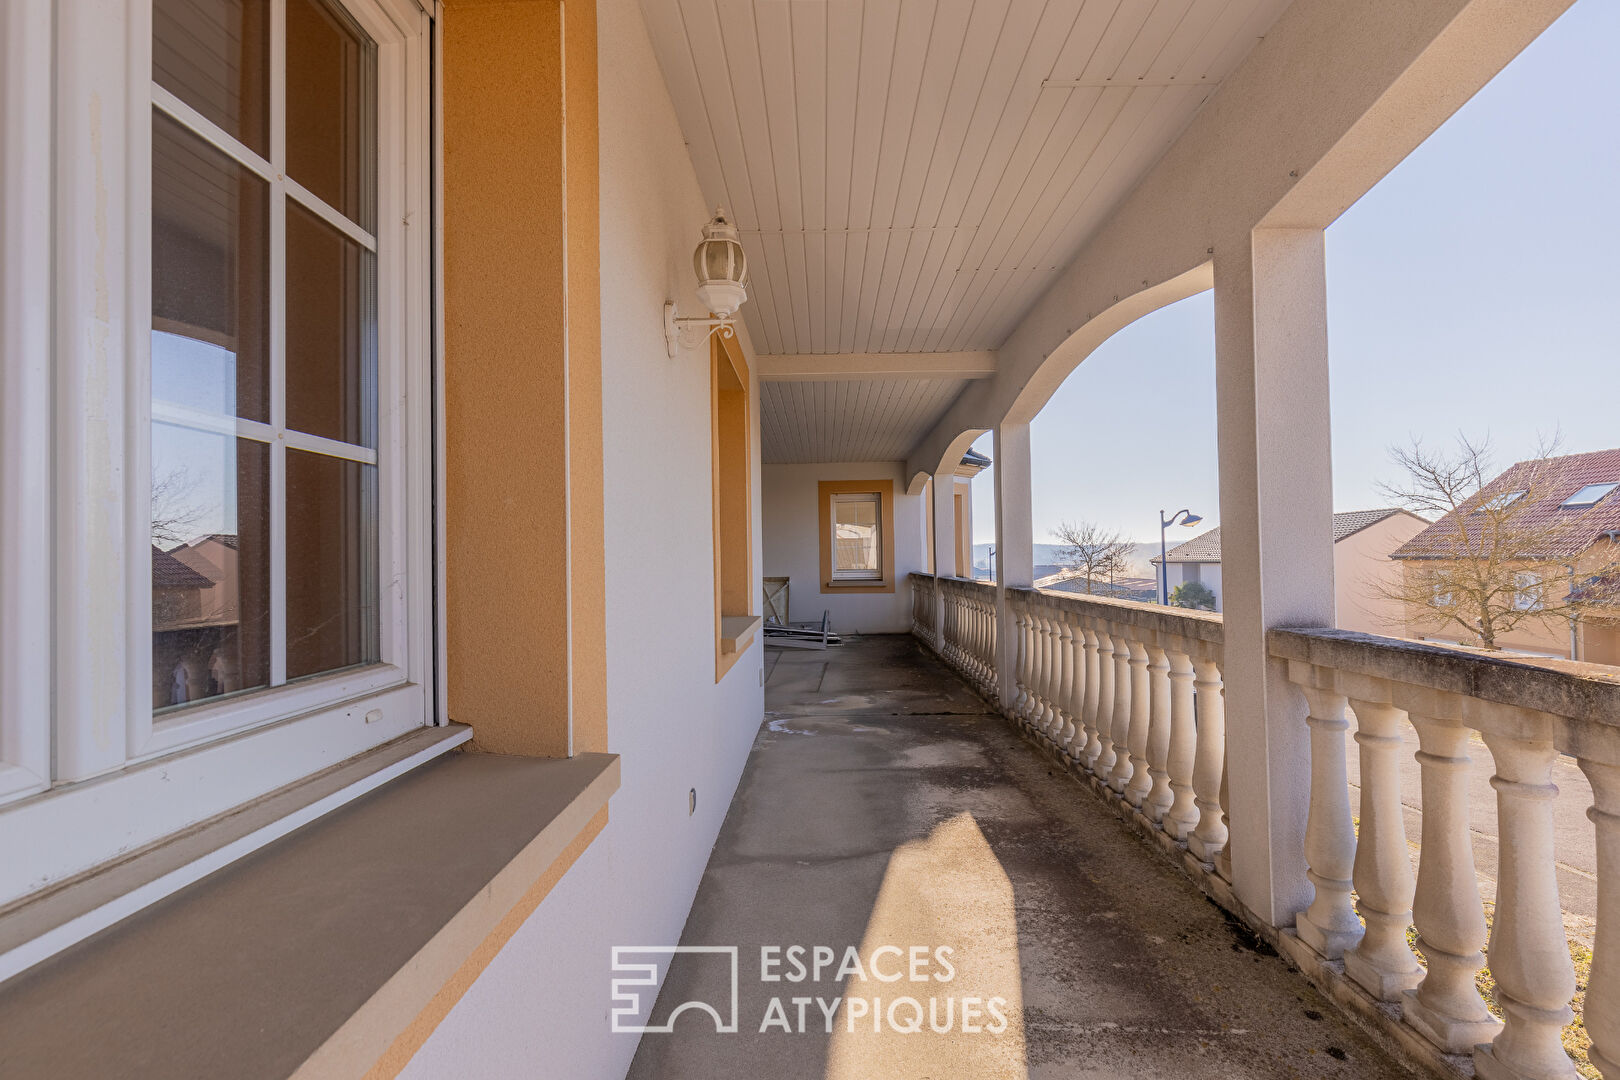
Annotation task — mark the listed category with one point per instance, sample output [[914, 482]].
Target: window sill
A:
[[737, 631], [318, 953], [878, 585]]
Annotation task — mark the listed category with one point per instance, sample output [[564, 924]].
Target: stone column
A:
[[1015, 544], [1276, 497]]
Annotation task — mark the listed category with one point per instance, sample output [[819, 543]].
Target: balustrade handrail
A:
[[1205, 626], [953, 582], [1585, 692]]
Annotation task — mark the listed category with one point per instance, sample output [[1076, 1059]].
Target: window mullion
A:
[[278, 342]]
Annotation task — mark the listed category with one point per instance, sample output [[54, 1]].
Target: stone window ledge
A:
[[326, 951]]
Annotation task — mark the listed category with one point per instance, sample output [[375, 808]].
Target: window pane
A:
[[331, 332], [214, 55], [210, 565], [332, 108], [855, 527], [210, 277], [332, 615]]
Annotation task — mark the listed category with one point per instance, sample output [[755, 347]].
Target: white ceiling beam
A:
[[828, 367]]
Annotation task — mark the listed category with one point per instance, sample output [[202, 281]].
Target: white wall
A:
[[793, 546], [1209, 576], [541, 1008], [1361, 565]]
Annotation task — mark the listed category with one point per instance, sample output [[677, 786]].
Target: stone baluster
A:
[[1446, 1007], [1103, 762], [1065, 697], [1529, 951], [1382, 964], [1141, 781], [1329, 925], [1048, 714], [1090, 747], [1074, 740], [976, 639], [1602, 1011], [1223, 858], [1033, 676], [1120, 774], [1021, 661], [1181, 817], [1209, 837], [1160, 797]]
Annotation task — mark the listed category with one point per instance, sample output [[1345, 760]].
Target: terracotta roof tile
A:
[[1555, 480]]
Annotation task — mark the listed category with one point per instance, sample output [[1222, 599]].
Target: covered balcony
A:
[[451, 730]]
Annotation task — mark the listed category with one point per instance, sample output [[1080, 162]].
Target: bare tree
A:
[[174, 511], [1097, 553], [1500, 549]]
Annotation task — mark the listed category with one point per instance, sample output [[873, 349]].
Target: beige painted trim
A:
[[825, 490], [964, 542], [377, 1041], [526, 653], [731, 497]]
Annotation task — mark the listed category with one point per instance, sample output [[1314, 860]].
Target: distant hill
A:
[[1047, 554]]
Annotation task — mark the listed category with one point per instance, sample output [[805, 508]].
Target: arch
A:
[[952, 454], [1074, 349]]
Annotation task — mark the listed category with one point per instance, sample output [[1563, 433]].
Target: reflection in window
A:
[[857, 537], [331, 563], [210, 565], [264, 475]]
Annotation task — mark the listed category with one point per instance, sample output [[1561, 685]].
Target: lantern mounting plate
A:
[[682, 331]]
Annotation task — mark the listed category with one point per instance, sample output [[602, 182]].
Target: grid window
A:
[[264, 440]]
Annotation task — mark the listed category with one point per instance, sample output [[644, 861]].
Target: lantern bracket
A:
[[688, 332]]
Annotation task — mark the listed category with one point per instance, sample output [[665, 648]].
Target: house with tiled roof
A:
[[1363, 541], [1567, 509]]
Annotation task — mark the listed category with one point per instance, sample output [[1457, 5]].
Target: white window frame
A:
[[120, 778], [25, 396], [876, 499]]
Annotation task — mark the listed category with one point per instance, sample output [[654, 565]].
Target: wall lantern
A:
[[722, 271]]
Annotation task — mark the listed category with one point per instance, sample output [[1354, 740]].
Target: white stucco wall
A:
[[541, 1009], [793, 546]]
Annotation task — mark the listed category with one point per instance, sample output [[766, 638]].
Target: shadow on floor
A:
[[884, 808]]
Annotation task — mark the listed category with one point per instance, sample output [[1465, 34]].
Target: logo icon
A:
[[627, 1008]]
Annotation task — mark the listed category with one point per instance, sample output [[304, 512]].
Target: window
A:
[[857, 535], [1590, 495], [239, 402], [264, 349], [734, 584], [1527, 592], [1442, 592], [1498, 502]]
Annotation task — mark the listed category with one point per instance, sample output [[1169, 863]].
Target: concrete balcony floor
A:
[[884, 805]]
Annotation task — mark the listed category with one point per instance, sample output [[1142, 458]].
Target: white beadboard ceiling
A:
[[903, 180], [849, 420], [909, 175]]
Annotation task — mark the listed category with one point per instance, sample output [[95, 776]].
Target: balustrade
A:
[[1524, 714], [1133, 696]]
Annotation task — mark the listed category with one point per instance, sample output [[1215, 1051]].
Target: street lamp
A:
[[1189, 520]]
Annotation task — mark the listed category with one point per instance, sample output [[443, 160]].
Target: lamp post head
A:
[[1191, 519]]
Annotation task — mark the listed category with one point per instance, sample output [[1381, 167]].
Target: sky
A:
[[1475, 289]]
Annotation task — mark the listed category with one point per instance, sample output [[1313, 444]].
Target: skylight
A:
[[1589, 495], [1499, 502]]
